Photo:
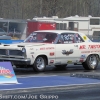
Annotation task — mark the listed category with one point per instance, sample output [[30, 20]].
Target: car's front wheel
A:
[[39, 64], [91, 62]]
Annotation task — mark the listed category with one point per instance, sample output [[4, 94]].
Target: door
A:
[[73, 26], [68, 51]]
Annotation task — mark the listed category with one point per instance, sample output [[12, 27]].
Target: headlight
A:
[[23, 50]]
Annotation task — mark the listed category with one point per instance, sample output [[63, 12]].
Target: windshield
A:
[[42, 37]]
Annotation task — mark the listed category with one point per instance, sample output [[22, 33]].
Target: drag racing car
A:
[[52, 47]]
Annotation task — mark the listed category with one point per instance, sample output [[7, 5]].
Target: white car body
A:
[[39, 54]]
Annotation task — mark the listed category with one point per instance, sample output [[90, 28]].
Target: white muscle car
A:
[[52, 47]]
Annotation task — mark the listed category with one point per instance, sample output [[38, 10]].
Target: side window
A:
[[67, 37], [78, 38]]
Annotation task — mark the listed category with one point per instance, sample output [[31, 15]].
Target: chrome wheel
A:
[[40, 63], [93, 61]]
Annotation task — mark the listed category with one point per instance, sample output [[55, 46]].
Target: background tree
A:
[[27, 9]]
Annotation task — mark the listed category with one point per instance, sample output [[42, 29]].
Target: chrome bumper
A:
[[17, 61]]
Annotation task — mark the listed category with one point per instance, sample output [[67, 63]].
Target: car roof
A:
[[65, 31], [58, 31]]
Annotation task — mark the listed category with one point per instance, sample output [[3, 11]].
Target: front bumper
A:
[[17, 61]]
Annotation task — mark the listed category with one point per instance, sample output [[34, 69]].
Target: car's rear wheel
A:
[[39, 64], [91, 62]]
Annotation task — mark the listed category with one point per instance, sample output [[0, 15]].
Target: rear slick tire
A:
[[91, 62]]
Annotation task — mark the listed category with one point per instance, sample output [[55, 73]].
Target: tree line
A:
[[27, 9]]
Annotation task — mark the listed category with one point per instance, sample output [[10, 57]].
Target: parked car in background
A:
[[15, 34], [52, 47], [4, 39], [94, 38]]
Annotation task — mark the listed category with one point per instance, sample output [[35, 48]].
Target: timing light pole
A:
[[40, 7]]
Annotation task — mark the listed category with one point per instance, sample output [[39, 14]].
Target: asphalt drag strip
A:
[[54, 81], [91, 75]]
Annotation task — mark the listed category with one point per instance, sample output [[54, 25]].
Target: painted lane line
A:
[[10, 83], [38, 76]]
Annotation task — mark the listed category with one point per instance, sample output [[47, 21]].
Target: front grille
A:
[[2, 52], [15, 52], [11, 52]]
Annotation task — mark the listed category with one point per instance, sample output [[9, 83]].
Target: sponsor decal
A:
[[47, 48], [69, 62], [51, 53], [85, 38], [86, 52], [83, 56], [89, 47], [82, 47], [7, 74], [67, 52], [42, 48], [93, 46], [75, 45], [81, 60], [95, 51], [51, 61]]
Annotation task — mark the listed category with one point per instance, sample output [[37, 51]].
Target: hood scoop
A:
[[21, 46], [6, 45]]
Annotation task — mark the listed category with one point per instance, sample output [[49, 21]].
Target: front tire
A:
[[39, 64], [91, 62]]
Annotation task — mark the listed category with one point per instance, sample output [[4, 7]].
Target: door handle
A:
[[67, 52]]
